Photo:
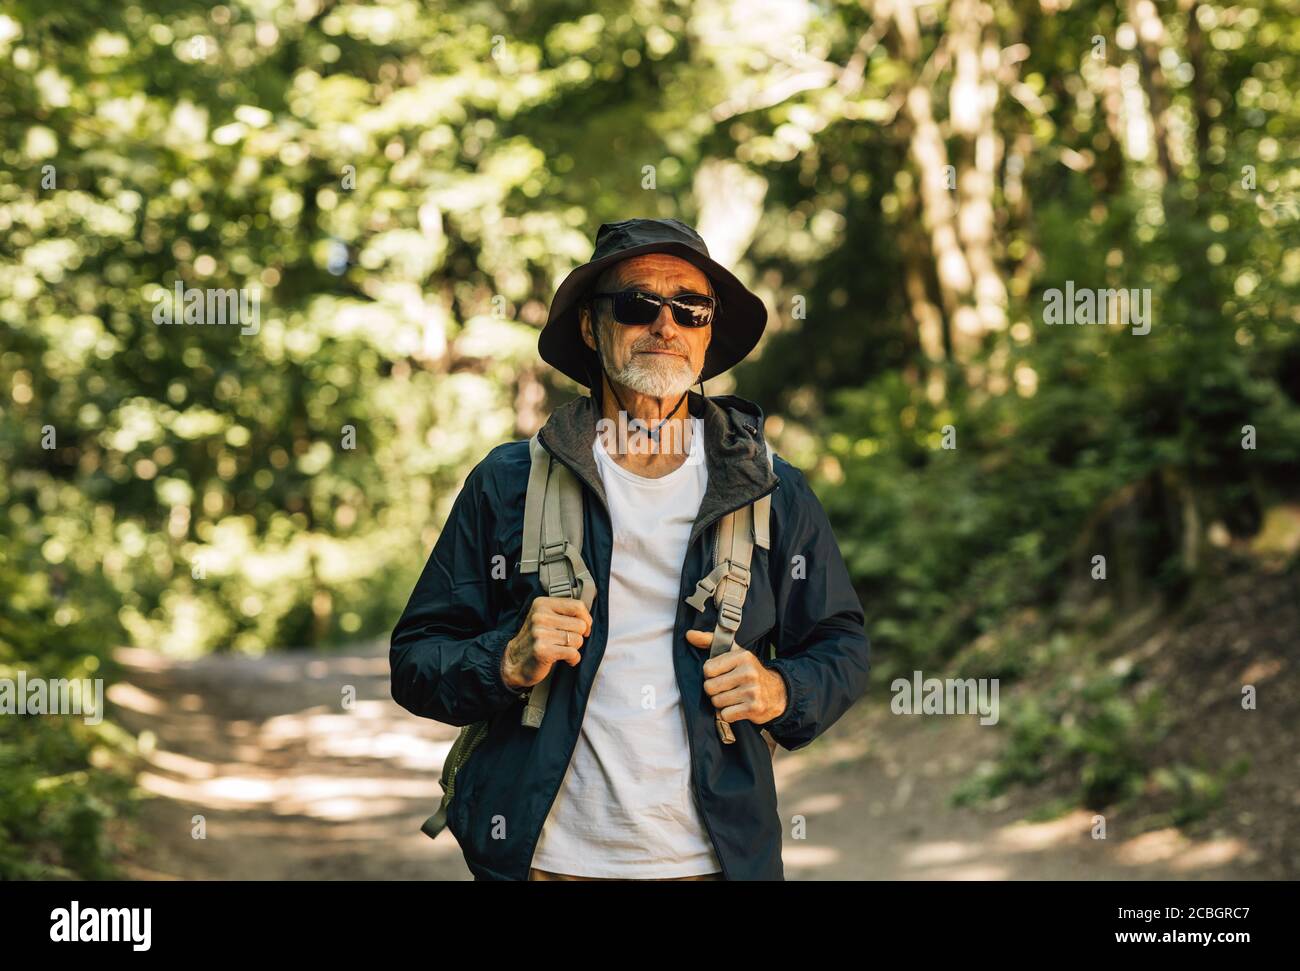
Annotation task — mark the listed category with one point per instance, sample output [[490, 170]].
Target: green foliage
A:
[[403, 185], [1085, 726], [54, 807], [1194, 791], [64, 778]]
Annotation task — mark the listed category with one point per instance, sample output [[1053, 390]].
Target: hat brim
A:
[[736, 329]]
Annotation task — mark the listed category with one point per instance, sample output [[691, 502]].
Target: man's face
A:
[[660, 359]]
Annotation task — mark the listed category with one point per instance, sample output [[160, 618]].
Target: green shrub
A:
[[1093, 731], [62, 779]]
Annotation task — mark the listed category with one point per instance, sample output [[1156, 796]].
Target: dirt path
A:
[[293, 785]]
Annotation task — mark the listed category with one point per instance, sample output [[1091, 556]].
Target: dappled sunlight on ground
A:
[[885, 813], [946, 853], [811, 856], [130, 697], [300, 765], [1021, 837], [1171, 847], [292, 784]]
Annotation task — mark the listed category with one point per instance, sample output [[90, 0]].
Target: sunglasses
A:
[[640, 307]]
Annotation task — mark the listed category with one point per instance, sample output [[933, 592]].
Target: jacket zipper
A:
[[690, 735], [690, 744]]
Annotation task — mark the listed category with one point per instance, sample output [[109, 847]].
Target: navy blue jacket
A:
[[447, 647]]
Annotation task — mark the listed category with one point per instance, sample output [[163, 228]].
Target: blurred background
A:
[[224, 523]]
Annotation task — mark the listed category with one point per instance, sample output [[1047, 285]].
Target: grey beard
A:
[[656, 378]]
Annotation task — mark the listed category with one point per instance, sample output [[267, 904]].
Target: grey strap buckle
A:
[[562, 583], [729, 614], [707, 588], [738, 573], [555, 552]]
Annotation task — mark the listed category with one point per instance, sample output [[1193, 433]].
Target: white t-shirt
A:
[[626, 807]]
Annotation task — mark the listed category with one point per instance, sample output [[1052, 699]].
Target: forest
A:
[[1031, 270]]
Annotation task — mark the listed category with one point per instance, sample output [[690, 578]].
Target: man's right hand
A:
[[552, 631]]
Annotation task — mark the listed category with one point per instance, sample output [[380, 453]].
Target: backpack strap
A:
[[538, 470], [727, 583], [552, 546]]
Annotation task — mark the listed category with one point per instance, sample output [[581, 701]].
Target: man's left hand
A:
[[742, 689]]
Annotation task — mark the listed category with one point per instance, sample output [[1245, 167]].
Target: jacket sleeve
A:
[[822, 650], [445, 655]]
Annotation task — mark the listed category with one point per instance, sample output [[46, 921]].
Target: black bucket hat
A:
[[737, 327]]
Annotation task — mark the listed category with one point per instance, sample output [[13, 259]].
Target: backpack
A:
[[552, 547]]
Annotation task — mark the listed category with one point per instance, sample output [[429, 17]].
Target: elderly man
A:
[[630, 776]]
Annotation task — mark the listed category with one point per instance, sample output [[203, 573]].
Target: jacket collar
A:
[[733, 447]]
